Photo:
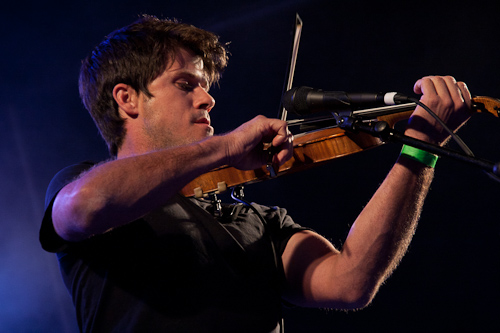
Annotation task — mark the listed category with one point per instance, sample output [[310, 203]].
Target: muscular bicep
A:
[[316, 274]]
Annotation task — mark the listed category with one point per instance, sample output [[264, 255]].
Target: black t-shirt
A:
[[177, 269]]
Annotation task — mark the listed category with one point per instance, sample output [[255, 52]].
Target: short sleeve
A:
[[281, 225], [49, 239]]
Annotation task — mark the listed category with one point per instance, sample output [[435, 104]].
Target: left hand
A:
[[449, 99]]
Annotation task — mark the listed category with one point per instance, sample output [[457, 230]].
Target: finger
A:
[[425, 86], [417, 87], [455, 89], [466, 95], [443, 86], [286, 149], [281, 132], [459, 92], [282, 152], [444, 89]]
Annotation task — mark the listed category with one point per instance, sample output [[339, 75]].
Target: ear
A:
[[127, 99]]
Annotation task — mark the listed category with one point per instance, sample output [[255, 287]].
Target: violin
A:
[[317, 147]]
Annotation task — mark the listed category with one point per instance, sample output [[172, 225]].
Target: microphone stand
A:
[[382, 130]]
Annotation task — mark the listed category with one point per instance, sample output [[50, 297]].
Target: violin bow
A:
[[282, 114]]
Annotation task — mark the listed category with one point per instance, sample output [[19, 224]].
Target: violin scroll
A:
[[486, 105]]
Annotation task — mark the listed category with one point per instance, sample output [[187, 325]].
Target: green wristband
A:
[[419, 155]]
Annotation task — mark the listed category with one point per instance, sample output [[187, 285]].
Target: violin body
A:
[[311, 149]]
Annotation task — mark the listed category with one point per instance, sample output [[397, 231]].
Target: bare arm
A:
[[122, 190], [349, 278]]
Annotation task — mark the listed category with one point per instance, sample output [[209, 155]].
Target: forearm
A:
[[319, 275], [122, 190], [381, 234]]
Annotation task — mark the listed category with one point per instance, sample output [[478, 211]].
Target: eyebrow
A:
[[194, 76]]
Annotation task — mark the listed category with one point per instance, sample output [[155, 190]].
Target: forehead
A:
[[185, 59]]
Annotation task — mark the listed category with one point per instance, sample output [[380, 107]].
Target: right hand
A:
[[244, 145]]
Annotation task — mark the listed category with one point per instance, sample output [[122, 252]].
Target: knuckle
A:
[[450, 79]]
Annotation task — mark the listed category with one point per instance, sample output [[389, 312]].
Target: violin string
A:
[[375, 112]]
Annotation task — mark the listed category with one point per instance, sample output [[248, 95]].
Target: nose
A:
[[204, 100]]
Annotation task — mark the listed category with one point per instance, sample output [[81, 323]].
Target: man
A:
[[136, 256]]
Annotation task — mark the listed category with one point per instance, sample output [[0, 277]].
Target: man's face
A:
[[178, 112]]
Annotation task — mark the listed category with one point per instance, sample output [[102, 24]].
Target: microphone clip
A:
[[347, 121], [381, 129]]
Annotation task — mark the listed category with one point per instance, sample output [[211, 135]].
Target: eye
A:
[[184, 85]]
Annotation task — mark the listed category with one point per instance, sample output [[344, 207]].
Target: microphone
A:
[[306, 100]]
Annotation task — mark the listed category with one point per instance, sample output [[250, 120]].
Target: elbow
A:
[[360, 301], [358, 298], [74, 215]]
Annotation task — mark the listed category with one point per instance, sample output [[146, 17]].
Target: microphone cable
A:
[[454, 136]]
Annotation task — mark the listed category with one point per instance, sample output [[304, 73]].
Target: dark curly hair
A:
[[136, 55]]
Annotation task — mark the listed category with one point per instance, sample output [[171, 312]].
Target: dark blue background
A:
[[449, 280]]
